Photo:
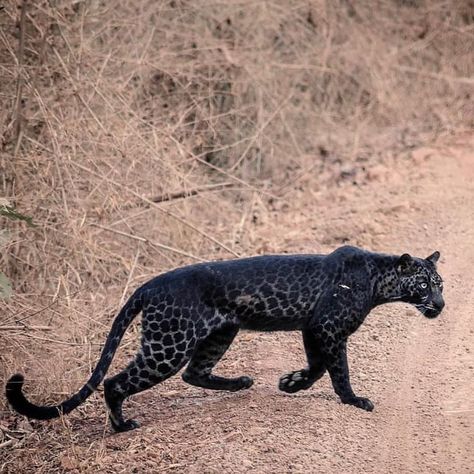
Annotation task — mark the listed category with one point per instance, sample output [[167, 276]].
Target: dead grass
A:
[[145, 135]]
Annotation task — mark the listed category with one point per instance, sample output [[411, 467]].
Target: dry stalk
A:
[[147, 241], [25, 328], [20, 79], [189, 192]]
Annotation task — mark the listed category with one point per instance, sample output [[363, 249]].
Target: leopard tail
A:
[[14, 385]]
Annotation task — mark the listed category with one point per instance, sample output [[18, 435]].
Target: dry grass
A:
[[146, 135]]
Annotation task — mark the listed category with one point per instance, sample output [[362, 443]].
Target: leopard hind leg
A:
[[161, 356], [207, 354]]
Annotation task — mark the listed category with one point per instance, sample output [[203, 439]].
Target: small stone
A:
[[68, 463], [421, 154], [377, 173]]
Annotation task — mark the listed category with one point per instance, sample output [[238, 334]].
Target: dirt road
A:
[[418, 372]]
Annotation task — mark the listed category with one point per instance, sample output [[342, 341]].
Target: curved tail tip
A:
[[16, 399], [14, 384]]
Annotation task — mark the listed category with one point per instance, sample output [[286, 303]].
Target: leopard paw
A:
[[243, 383], [295, 381], [125, 426], [360, 402]]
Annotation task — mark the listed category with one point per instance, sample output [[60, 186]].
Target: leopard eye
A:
[[424, 285]]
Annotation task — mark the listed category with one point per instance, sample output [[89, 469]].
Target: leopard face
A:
[[421, 285]]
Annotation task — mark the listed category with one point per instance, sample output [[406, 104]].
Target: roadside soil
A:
[[418, 372]]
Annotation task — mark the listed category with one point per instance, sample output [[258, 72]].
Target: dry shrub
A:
[[108, 105]]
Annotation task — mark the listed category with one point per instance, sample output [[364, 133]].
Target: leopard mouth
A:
[[428, 310]]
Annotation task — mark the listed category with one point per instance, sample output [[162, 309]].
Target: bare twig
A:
[[57, 341], [190, 192], [154, 244], [25, 327], [44, 308], [435, 75], [7, 443], [20, 79], [129, 279]]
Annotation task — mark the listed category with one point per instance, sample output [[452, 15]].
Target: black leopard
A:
[[192, 314]]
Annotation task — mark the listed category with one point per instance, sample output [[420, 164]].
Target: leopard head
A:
[[420, 284]]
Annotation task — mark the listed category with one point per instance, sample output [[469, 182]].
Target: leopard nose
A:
[[439, 303]]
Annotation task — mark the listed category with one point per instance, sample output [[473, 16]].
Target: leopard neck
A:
[[384, 275]]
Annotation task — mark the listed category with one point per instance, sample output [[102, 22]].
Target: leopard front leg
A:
[[304, 378], [335, 356], [207, 355]]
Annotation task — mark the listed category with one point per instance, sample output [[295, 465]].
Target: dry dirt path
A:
[[430, 427], [418, 372]]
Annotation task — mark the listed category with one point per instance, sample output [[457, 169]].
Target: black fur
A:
[[193, 314]]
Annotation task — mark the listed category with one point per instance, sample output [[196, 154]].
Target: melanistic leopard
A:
[[192, 314]]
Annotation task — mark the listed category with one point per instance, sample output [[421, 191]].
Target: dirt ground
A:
[[419, 373]]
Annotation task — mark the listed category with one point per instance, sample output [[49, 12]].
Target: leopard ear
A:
[[434, 257], [405, 264]]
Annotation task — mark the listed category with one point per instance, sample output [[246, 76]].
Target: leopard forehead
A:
[[426, 272], [435, 279]]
